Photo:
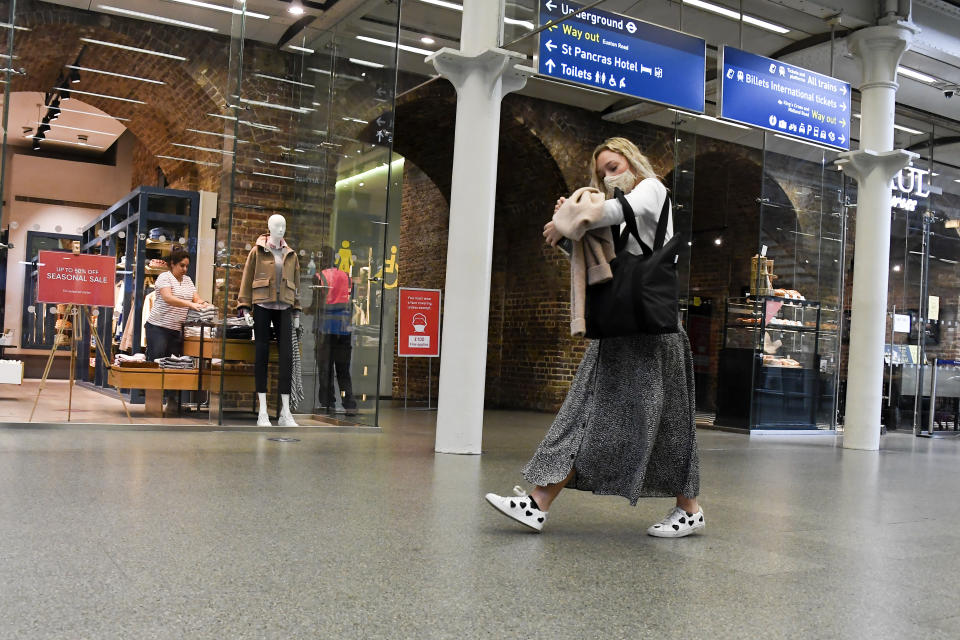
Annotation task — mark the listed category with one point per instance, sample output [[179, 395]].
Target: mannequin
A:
[[269, 296]]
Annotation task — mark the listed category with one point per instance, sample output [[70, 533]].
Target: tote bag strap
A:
[[630, 219], [662, 223]]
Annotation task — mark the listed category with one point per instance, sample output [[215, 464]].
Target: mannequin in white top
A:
[[273, 243]]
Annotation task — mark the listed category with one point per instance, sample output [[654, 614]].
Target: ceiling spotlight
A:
[[74, 77], [718, 241], [427, 40], [64, 95], [296, 8], [36, 142]]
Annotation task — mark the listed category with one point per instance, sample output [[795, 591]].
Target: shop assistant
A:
[[176, 294]]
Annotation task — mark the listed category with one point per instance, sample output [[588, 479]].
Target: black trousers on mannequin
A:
[[333, 355], [282, 324]]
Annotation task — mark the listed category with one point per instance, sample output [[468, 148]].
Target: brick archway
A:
[[529, 350], [192, 89]]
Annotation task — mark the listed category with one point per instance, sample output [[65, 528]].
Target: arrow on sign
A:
[[550, 46], [843, 106], [842, 139], [843, 123], [549, 5], [380, 122], [843, 90], [550, 65]]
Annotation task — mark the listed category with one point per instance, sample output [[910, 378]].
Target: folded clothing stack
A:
[[176, 362], [137, 360], [238, 329], [194, 332], [208, 314], [161, 234]]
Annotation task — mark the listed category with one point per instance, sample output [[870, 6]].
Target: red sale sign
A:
[[76, 279], [418, 319]]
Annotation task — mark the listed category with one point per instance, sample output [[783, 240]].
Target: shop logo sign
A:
[[907, 187]]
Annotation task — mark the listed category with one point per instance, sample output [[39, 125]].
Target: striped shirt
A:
[[165, 315]]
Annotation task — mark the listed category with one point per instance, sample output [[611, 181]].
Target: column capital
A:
[[878, 50], [860, 164], [496, 64]]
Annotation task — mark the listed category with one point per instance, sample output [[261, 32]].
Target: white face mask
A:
[[626, 181]]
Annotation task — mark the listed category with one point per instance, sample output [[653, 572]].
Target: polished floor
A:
[[152, 534], [55, 404]]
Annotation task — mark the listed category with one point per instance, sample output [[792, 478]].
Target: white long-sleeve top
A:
[[647, 201]]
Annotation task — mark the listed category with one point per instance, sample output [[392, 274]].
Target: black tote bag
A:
[[642, 296]]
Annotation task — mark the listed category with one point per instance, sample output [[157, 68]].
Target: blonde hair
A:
[[639, 163]]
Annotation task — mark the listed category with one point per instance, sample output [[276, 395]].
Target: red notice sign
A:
[[76, 279], [418, 319]]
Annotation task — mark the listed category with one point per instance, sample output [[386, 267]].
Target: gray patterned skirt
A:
[[627, 426]]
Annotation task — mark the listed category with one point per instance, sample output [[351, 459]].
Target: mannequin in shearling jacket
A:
[[269, 297]]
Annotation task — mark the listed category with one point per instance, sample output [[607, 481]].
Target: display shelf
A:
[[783, 387], [123, 231], [774, 327]]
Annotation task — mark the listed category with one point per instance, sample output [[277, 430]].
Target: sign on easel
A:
[[78, 281], [418, 328], [83, 279]]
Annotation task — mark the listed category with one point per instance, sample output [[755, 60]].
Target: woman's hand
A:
[[559, 204], [551, 235], [198, 306]]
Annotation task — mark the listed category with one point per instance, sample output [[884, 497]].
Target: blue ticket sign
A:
[[618, 53], [780, 97]]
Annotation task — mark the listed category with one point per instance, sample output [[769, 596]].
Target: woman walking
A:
[[627, 425]]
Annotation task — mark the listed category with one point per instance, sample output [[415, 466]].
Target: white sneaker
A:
[[263, 420], [677, 524], [520, 508], [286, 420]]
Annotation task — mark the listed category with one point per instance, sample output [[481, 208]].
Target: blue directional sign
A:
[[780, 97], [618, 53]]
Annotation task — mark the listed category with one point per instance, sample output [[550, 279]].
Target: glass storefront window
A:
[[191, 126]]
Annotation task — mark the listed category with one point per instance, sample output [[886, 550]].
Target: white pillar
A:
[[878, 50], [482, 75]]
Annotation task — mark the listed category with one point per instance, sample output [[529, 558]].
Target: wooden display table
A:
[[153, 382], [232, 381], [233, 350]]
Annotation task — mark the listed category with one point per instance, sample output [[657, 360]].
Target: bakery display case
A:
[[775, 368]]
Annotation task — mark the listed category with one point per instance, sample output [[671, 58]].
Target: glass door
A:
[[799, 287], [936, 249], [313, 122]]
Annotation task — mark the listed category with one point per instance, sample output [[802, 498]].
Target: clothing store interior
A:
[[259, 144], [224, 136]]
